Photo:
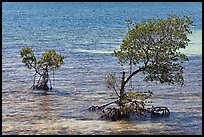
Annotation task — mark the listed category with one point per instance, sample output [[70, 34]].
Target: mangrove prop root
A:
[[92, 108], [40, 87], [111, 114], [134, 109], [116, 114], [160, 111]]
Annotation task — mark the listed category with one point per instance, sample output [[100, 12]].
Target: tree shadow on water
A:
[[56, 92]]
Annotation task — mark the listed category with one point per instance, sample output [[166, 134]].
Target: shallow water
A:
[[86, 44], [63, 111]]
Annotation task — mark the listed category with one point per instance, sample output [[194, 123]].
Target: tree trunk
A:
[[122, 89], [42, 84]]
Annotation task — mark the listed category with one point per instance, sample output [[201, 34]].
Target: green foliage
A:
[[28, 57], [154, 46], [50, 59], [142, 96]]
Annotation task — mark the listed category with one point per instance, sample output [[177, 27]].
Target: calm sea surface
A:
[[86, 34]]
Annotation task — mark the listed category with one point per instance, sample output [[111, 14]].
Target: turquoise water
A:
[[86, 34]]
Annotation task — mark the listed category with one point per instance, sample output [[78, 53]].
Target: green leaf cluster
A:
[[155, 44], [50, 59], [28, 57]]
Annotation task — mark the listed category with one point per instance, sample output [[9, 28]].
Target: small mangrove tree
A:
[[49, 62]]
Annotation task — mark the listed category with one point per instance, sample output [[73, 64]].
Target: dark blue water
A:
[[86, 34]]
